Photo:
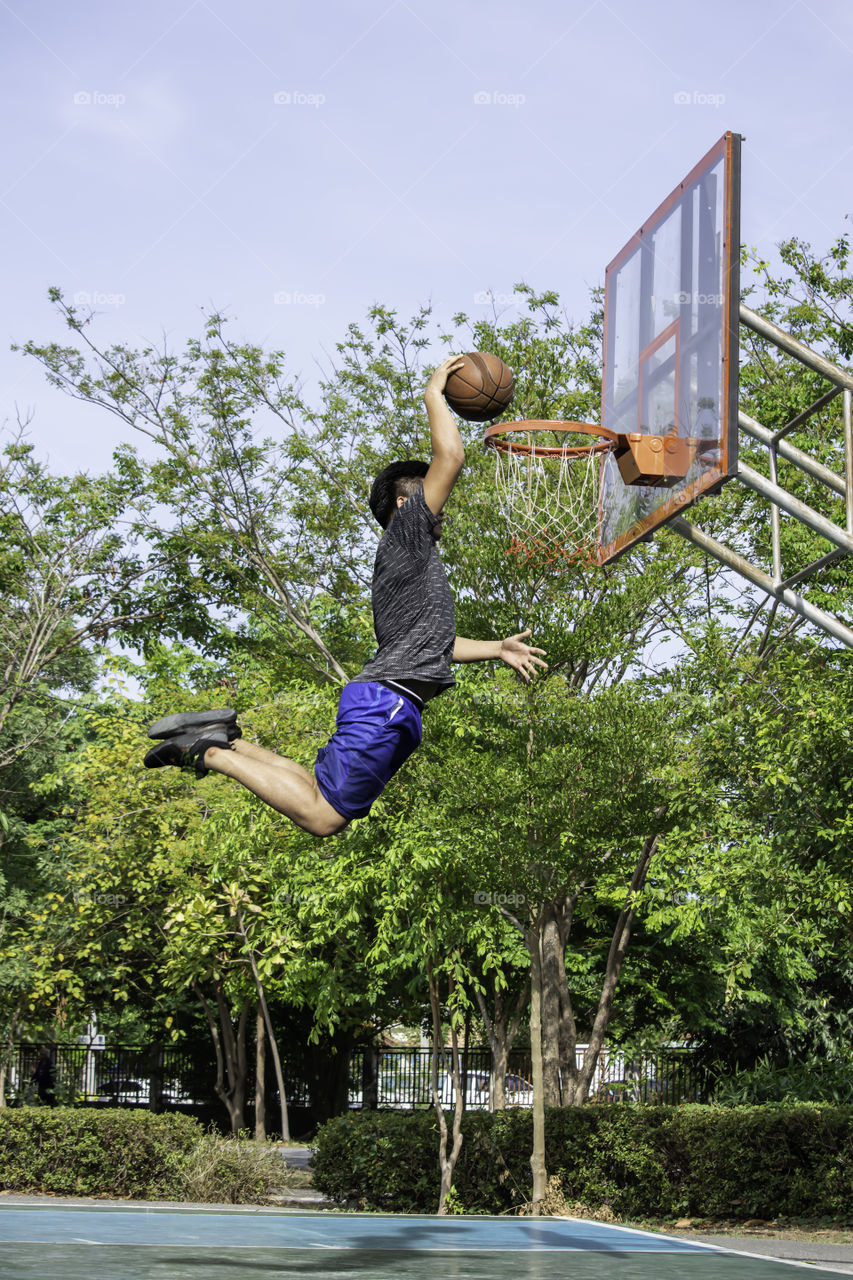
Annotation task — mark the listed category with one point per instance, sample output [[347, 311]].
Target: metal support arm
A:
[[807, 515], [789, 451], [834, 626], [767, 329]]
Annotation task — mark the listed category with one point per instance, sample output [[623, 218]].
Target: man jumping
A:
[[379, 714]]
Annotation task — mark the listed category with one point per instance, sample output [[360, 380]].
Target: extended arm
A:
[[448, 455], [513, 651]]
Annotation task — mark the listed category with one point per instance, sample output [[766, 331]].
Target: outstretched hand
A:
[[521, 657]]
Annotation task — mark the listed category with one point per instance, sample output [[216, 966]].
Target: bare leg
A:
[[281, 783], [269, 757]]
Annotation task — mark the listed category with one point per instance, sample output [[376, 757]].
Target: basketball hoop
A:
[[547, 483]]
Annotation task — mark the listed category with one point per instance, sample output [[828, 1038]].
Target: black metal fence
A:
[[401, 1079], [154, 1076], [157, 1076], [168, 1077]]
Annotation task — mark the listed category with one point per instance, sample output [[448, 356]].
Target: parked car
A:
[[476, 1089], [518, 1091], [124, 1091]]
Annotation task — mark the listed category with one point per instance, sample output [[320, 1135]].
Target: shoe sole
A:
[[153, 759], [184, 720]]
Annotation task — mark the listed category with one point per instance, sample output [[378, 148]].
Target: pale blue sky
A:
[[416, 152]]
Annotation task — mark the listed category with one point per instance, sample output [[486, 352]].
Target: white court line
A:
[[699, 1244]]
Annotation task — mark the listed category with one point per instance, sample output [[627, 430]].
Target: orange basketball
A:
[[481, 389]]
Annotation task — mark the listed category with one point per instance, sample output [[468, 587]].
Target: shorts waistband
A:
[[418, 691]]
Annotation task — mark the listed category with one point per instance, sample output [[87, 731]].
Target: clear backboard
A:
[[671, 351]]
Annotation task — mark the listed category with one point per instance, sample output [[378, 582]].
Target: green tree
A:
[[770, 900], [566, 795], [292, 543], [160, 890], [70, 576]]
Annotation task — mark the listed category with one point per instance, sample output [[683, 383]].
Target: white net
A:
[[550, 503]]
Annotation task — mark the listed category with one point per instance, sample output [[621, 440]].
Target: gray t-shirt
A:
[[413, 614]]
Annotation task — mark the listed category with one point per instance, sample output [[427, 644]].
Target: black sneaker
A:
[[183, 721], [186, 750]]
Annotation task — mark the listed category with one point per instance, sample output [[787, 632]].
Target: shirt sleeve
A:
[[412, 526]]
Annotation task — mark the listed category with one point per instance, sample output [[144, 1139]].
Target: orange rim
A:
[[492, 439]]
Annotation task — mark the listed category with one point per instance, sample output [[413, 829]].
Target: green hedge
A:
[[828, 1081], [655, 1161], [72, 1151]]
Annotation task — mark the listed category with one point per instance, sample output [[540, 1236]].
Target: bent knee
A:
[[326, 829], [328, 822], [325, 820]]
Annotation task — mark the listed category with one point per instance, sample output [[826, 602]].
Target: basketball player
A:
[[379, 714]]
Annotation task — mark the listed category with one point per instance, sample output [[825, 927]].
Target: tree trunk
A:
[[466, 1036], [553, 960], [576, 1081], [7, 1055], [533, 938], [615, 960], [446, 1157], [260, 1077], [279, 1073], [501, 1033], [370, 1078], [155, 1080], [557, 929], [234, 1044], [230, 1049], [262, 1000]]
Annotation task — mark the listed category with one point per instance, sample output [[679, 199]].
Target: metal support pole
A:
[[767, 329], [790, 452], [763, 581], [794, 507], [848, 457], [803, 417], [816, 566], [777, 444], [775, 522]]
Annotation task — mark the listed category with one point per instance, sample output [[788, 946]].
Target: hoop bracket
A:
[[657, 462]]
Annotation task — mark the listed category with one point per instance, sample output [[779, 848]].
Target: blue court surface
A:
[[40, 1242]]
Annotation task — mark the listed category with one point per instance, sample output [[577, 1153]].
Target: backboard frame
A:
[[712, 477], [655, 441]]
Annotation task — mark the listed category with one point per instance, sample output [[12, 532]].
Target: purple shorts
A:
[[376, 732]]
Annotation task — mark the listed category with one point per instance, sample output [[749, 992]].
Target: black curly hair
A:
[[387, 487]]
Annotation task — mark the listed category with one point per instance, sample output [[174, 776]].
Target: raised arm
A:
[[448, 454], [513, 651]]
